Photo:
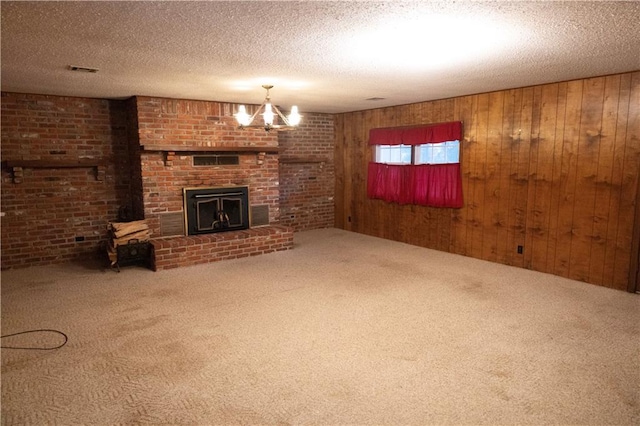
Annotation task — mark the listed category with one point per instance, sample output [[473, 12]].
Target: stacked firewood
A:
[[123, 233]]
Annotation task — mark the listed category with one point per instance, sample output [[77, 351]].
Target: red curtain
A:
[[436, 185], [390, 183], [433, 133]]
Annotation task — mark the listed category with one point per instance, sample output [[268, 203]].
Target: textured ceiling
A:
[[323, 56]]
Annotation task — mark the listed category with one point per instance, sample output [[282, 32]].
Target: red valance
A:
[[433, 133]]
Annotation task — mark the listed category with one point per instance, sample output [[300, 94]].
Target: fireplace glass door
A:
[[211, 210]]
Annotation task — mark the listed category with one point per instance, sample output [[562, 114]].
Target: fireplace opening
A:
[[209, 210]]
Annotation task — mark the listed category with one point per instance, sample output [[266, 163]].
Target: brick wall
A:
[[163, 121], [307, 175], [59, 214]]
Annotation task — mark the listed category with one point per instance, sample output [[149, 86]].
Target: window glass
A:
[[393, 154], [424, 154], [453, 152], [438, 153]]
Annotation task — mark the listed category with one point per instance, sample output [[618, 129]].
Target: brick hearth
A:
[[173, 252]]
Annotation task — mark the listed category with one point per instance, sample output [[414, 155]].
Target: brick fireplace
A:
[[72, 165], [169, 139]]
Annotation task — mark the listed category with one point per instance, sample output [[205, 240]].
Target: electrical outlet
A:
[[520, 248]]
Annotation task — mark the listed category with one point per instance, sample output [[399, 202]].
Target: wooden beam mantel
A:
[[16, 166], [303, 160], [181, 148]]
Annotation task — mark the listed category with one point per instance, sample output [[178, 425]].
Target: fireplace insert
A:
[[209, 210]]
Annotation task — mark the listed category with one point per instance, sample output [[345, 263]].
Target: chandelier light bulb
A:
[[243, 118], [294, 116], [268, 115]]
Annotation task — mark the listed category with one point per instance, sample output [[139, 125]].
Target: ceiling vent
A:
[[82, 69]]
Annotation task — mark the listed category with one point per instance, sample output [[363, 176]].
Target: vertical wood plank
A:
[[531, 214], [629, 188], [516, 213], [619, 136], [542, 176], [372, 207], [362, 158], [568, 170], [472, 176], [480, 159], [416, 113], [405, 118], [603, 179], [505, 252], [587, 169], [427, 112], [530, 101], [557, 178], [491, 218]]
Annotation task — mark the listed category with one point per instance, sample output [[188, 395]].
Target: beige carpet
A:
[[343, 329]]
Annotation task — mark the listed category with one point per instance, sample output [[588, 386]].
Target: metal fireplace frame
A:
[[192, 197]]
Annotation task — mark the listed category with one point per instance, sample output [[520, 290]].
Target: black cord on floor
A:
[[43, 330]]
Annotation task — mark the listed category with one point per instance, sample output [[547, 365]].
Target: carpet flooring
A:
[[342, 329]]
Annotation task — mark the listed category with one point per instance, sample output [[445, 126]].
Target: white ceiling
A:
[[323, 56]]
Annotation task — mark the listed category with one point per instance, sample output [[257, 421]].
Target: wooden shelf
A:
[[180, 148], [303, 160], [54, 164], [16, 166]]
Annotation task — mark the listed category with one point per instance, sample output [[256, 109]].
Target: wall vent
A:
[[260, 215], [82, 69], [171, 224], [216, 160]]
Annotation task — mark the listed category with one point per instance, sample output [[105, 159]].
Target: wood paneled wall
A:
[[550, 168]]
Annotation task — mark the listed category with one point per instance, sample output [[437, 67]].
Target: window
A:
[[393, 154], [430, 153], [438, 153], [419, 165]]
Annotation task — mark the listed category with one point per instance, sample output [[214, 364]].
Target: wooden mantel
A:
[[16, 166], [182, 148], [55, 164]]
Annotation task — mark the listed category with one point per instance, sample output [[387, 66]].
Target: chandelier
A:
[[268, 116]]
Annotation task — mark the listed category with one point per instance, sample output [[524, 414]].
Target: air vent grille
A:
[[216, 160], [82, 69], [260, 215]]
